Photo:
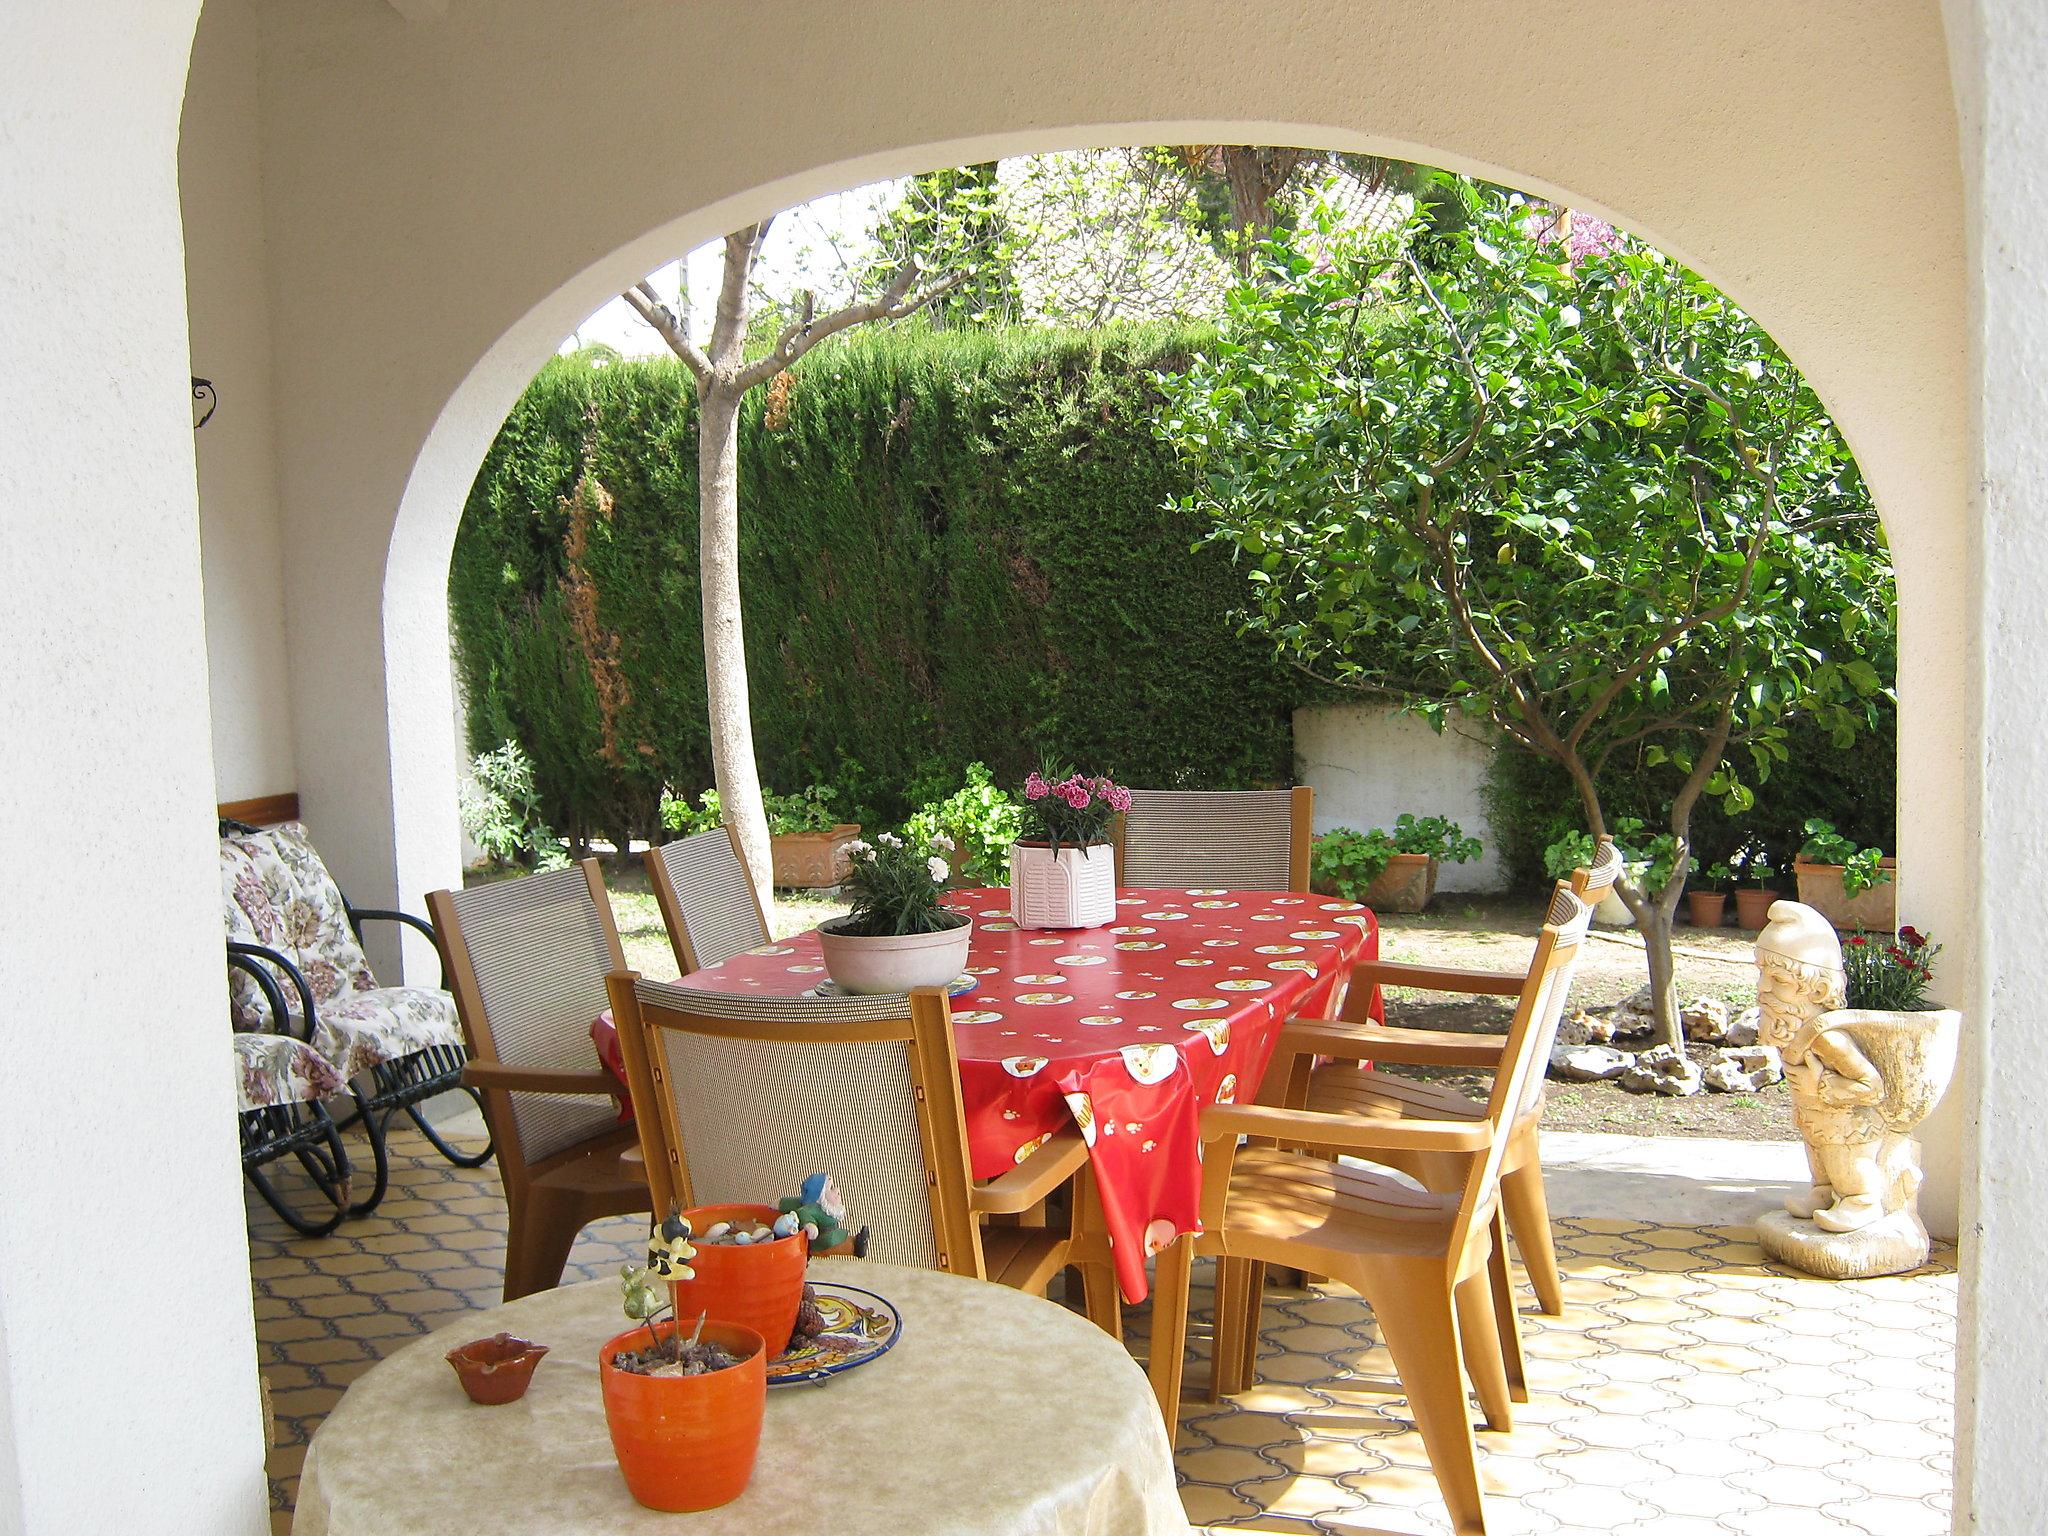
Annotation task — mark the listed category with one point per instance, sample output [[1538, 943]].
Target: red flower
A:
[[1912, 938], [1857, 941]]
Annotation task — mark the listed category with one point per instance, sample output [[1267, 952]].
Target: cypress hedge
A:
[[955, 546]]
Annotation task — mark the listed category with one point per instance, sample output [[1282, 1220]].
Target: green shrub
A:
[[1345, 862], [501, 814], [956, 547], [1862, 868], [982, 821]]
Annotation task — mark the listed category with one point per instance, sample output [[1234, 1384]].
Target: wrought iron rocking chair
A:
[[393, 1048]]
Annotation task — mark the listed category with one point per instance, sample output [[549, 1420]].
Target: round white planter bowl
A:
[[895, 962]]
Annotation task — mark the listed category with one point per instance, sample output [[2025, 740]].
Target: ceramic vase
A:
[[894, 962], [1073, 888]]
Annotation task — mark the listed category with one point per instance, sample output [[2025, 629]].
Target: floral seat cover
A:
[[277, 892], [272, 1070]]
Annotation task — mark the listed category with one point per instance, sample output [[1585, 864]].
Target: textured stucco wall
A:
[[2000, 60], [433, 234], [226, 284], [1367, 765], [118, 1177]]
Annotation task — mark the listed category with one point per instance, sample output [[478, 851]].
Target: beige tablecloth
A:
[[996, 1413]]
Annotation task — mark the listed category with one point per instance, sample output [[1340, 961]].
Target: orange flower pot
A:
[[759, 1286], [687, 1442]]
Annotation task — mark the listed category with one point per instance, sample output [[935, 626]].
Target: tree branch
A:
[[647, 304], [895, 303]]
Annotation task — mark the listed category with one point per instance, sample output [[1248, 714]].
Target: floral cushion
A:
[[277, 892], [276, 1069], [357, 1030]]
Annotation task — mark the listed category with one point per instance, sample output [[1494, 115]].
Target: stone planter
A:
[[808, 861], [1753, 908], [1074, 888], [1875, 910], [894, 962], [1405, 885]]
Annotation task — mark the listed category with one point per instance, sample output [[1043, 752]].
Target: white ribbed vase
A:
[[1074, 888]]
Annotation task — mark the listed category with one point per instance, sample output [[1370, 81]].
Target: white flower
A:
[[938, 870], [858, 849], [889, 840], [943, 843]]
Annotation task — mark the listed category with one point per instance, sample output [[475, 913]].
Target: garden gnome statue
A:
[[1861, 1081]]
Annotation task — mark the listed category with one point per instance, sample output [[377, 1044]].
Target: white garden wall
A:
[[1367, 765]]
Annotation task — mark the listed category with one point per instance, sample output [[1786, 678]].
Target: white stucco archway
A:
[[432, 202]]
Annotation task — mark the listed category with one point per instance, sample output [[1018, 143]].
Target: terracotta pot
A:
[[1708, 909], [1875, 910], [759, 1286], [809, 861], [498, 1369], [1074, 888], [894, 962], [1406, 885], [687, 1442], [1753, 908]]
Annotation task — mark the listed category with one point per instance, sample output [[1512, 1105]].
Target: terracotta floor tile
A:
[[1689, 1388]]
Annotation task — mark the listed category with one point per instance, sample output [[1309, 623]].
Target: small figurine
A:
[[668, 1248], [819, 1209]]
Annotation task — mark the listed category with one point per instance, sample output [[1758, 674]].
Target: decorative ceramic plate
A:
[[959, 986], [859, 1326]]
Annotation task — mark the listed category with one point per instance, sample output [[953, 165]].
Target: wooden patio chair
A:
[[1369, 1092], [1246, 840], [708, 903], [1423, 1260], [741, 1097], [527, 959]]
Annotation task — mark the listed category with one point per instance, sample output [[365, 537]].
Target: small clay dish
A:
[[497, 1369]]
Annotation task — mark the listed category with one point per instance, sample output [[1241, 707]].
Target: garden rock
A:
[[1634, 1016], [1663, 1069], [1743, 1028], [1589, 1063], [1706, 1020], [1586, 1028], [1743, 1070]]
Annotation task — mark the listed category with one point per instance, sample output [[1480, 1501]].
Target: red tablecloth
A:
[[1127, 1031]]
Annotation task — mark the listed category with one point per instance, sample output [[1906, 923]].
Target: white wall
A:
[[227, 278], [120, 1198], [1368, 764], [2001, 73]]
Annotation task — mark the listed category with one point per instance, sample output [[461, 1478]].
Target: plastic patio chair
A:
[[1426, 1262]]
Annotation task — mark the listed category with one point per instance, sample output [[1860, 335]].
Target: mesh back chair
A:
[[708, 903], [746, 1095], [1428, 1262], [1247, 840], [527, 959], [1372, 1093]]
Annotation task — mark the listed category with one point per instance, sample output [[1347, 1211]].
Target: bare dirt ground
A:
[[1494, 933], [1484, 933]]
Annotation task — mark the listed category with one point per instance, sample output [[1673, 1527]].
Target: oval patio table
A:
[[1128, 1031], [995, 1413]]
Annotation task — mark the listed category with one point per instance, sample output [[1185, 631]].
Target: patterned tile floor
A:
[[1690, 1389]]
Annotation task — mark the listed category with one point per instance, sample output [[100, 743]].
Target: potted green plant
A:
[[897, 936], [806, 841], [1390, 871], [1852, 887], [1062, 869], [1754, 896], [1707, 902]]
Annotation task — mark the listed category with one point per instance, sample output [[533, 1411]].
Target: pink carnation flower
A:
[[1119, 798], [1035, 788], [1075, 795]]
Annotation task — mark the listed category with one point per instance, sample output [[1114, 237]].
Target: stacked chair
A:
[[311, 1020]]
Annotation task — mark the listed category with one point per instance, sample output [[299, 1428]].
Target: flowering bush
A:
[[985, 820], [1892, 976], [1070, 808], [896, 885]]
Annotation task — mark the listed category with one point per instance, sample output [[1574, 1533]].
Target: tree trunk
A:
[[1654, 924], [733, 767]]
